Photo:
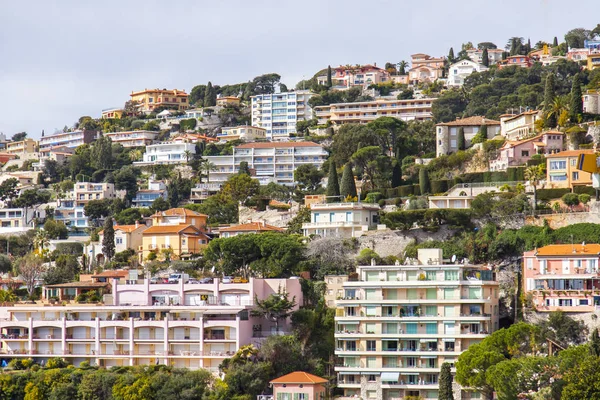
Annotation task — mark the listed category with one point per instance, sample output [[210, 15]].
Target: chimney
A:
[[137, 225]]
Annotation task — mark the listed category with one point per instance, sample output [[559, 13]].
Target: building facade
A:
[[145, 197], [494, 55], [246, 133], [149, 99], [458, 71], [168, 153], [447, 133], [562, 172], [67, 139], [278, 113], [126, 236], [591, 102], [522, 125], [347, 76], [69, 209], [16, 220], [133, 138], [425, 68], [249, 227], [26, 146], [114, 112], [514, 153], [344, 220], [299, 385], [395, 325], [519, 61]]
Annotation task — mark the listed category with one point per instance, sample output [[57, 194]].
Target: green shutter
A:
[[431, 294]]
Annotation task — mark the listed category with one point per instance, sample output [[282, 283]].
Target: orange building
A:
[[149, 99]]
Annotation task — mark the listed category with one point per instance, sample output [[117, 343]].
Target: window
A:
[[573, 162], [371, 345], [119, 240], [453, 144], [411, 329], [451, 275], [431, 329], [449, 311], [575, 176], [558, 164], [524, 153], [371, 362], [558, 177]]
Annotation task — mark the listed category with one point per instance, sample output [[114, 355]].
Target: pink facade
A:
[[299, 386], [521, 61], [359, 75], [515, 153], [563, 277]]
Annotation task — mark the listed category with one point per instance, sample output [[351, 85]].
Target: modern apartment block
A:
[[26, 146], [395, 325], [268, 161], [562, 277], [149, 99], [363, 112], [69, 210], [278, 113], [133, 138], [68, 139], [140, 323], [167, 153], [346, 220]]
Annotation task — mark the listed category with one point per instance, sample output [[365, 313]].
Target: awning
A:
[[348, 373], [448, 340], [390, 376], [410, 373], [428, 340], [449, 322], [429, 357]]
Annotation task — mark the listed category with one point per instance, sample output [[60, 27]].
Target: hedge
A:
[[416, 190], [521, 173], [428, 219], [584, 189], [472, 177], [498, 176], [550, 194], [406, 190], [439, 186]]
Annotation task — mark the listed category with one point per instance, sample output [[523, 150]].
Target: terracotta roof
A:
[[252, 227], [172, 212], [112, 274], [471, 121], [267, 145], [523, 113], [123, 228], [570, 153], [510, 143], [568, 250], [171, 229], [85, 284], [300, 377]]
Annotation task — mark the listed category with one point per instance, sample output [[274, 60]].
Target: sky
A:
[[62, 59]]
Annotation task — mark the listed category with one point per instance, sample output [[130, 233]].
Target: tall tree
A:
[[30, 268], [173, 195], [549, 95], [276, 307], [576, 108], [533, 175], [333, 186], [485, 60], [424, 183], [101, 153], [555, 42], [108, 240], [244, 169], [210, 96], [451, 58], [348, 187], [329, 79], [576, 38], [461, 139], [595, 343], [396, 174], [445, 382], [402, 65]]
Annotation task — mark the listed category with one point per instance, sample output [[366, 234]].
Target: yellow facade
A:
[[149, 99], [112, 113], [593, 61], [174, 241], [562, 172], [26, 146]]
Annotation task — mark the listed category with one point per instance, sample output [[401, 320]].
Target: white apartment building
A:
[[516, 127], [68, 139], [268, 161], [458, 71], [16, 220], [366, 111], [341, 219], [69, 210], [167, 153], [395, 325], [278, 113], [133, 138], [246, 133], [494, 55], [140, 323]]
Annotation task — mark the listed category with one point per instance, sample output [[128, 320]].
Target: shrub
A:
[[584, 189], [520, 173], [406, 190], [511, 174], [570, 199], [584, 198], [499, 176], [417, 190], [373, 197], [381, 203], [551, 194], [56, 362], [472, 177], [428, 219], [439, 186], [16, 364], [366, 255]]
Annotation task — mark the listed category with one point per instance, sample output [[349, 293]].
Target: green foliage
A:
[[462, 144], [295, 224], [424, 183], [108, 239], [348, 186], [481, 135], [450, 105], [428, 219], [333, 187], [219, 208], [570, 199], [439, 186], [563, 329], [576, 104], [551, 194], [240, 188], [308, 177], [56, 229], [366, 255], [210, 96], [445, 385], [274, 308]]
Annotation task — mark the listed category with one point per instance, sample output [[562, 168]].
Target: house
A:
[[203, 191], [133, 138], [69, 209], [145, 197], [278, 113], [168, 153], [562, 172], [228, 101], [454, 201], [519, 61], [447, 132], [299, 385], [514, 153], [114, 112], [5, 157], [363, 112], [246, 133], [592, 44], [515, 127], [458, 71], [562, 277], [591, 102], [494, 55], [68, 139], [344, 220], [126, 236], [25, 146], [593, 61], [347, 76], [149, 99], [578, 55], [425, 68], [249, 227], [395, 325]]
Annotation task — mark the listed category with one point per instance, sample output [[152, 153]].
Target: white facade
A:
[[341, 219], [133, 138], [69, 210], [68, 139], [16, 220], [591, 102], [515, 127], [366, 111], [278, 113], [494, 55], [245, 133], [167, 153], [460, 70]]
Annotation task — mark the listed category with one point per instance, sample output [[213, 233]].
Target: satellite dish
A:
[[453, 258]]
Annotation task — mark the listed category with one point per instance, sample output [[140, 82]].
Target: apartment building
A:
[[459, 71], [395, 325], [519, 126], [149, 99], [246, 133], [268, 161], [562, 171], [593, 61], [514, 153], [68, 139], [69, 210], [203, 191], [447, 133], [494, 55], [591, 102], [145, 197], [562, 277], [140, 323], [26, 146], [133, 138], [278, 113], [176, 152], [425, 68], [346, 76], [366, 111], [15, 220], [344, 220]]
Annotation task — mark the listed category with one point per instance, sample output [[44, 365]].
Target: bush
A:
[[381, 203], [56, 362], [16, 364], [406, 190], [416, 190], [428, 219], [551, 194], [472, 177], [511, 174], [373, 197], [570, 199], [439, 186], [584, 189], [499, 176], [365, 257], [584, 198]]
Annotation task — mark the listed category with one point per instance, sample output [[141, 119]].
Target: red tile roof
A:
[[300, 377], [171, 229], [173, 212], [123, 228], [570, 153], [568, 250], [471, 121]]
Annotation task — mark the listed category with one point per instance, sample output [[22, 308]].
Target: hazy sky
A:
[[61, 59]]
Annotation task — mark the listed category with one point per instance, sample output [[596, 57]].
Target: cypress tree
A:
[[485, 60], [528, 46], [424, 183], [333, 185], [555, 43], [348, 187], [329, 80], [396, 174], [445, 382], [461, 139], [549, 96], [210, 96], [451, 55], [595, 343], [244, 169], [576, 102], [108, 239]]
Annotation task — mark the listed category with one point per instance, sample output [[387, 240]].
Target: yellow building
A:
[[228, 101], [110, 113], [593, 61], [26, 146], [149, 99], [562, 172]]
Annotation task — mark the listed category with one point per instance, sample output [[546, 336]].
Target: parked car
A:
[[227, 279], [193, 281], [176, 277], [206, 280], [239, 279], [158, 279]]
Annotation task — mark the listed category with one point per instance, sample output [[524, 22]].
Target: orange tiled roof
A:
[[299, 377], [252, 227], [173, 229], [124, 228], [471, 121], [570, 153], [267, 145], [112, 274], [172, 212], [569, 250]]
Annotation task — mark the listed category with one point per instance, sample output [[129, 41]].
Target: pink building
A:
[[517, 152], [425, 68], [521, 61], [563, 277], [299, 386], [346, 76]]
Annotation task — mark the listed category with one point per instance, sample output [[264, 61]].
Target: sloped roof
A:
[[570, 153], [85, 285], [112, 274], [123, 228], [471, 121], [171, 229], [568, 250], [300, 377], [510, 143], [252, 227], [178, 212]]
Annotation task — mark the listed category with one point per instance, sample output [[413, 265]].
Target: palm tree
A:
[[187, 154], [207, 167], [559, 106], [135, 155], [402, 65], [533, 175]]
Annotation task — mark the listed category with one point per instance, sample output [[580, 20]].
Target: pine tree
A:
[[210, 96], [555, 43], [333, 186], [424, 183], [528, 46], [396, 174], [108, 239], [248, 91], [348, 187], [485, 60], [329, 80], [576, 107], [595, 343], [461, 139], [549, 95], [445, 382], [451, 55], [244, 169]]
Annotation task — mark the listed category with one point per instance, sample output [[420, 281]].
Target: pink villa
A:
[[359, 75], [299, 386], [521, 61], [517, 152], [563, 277]]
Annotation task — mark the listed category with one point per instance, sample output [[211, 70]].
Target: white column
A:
[[131, 333], [237, 331], [64, 335], [166, 340], [97, 341], [202, 341], [30, 337]]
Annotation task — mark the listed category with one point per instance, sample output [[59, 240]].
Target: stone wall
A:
[[556, 221], [392, 243]]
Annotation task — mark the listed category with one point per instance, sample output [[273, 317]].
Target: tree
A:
[[333, 186], [555, 42], [56, 229], [8, 189], [17, 137], [570, 199], [65, 269], [451, 58], [96, 210], [276, 307], [108, 239], [128, 216], [173, 196], [126, 179], [402, 65], [445, 388], [329, 80], [576, 108], [160, 204], [461, 139], [101, 153], [240, 187], [533, 175], [549, 95], [5, 264], [220, 209], [31, 198], [424, 184], [308, 177], [210, 96], [265, 84], [575, 38], [481, 135], [30, 268], [396, 174], [207, 167], [244, 169], [450, 105], [485, 60], [364, 158], [595, 343]]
